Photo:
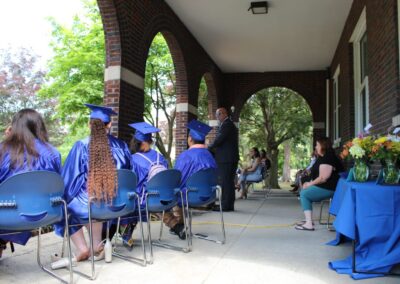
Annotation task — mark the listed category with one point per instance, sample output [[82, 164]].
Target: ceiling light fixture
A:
[[260, 7]]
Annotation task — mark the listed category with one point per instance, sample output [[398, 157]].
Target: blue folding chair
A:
[[162, 193], [202, 190], [122, 205], [30, 201], [263, 178]]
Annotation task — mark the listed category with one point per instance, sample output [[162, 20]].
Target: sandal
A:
[[301, 223], [99, 255], [302, 228]]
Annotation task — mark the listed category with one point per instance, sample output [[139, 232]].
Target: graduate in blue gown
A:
[[26, 148], [197, 157], [144, 156], [83, 175], [142, 161]]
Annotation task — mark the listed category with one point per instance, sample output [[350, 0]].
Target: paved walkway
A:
[[262, 247]]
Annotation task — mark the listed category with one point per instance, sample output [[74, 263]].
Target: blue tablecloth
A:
[[370, 214]]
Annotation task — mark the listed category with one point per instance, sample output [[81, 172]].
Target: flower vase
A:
[[391, 172], [361, 171]]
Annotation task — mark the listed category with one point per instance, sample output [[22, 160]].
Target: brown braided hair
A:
[[102, 177]]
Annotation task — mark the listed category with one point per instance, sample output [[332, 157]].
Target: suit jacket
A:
[[225, 145]]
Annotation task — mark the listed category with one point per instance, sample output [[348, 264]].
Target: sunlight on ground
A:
[[260, 273]]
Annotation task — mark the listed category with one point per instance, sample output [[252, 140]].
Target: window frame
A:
[[359, 32], [336, 108]]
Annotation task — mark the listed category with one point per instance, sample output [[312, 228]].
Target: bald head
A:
[[221, 114]]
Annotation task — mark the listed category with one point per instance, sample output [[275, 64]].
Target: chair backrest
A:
[[201, 187], [162, 189], [31, 200], [123, 203], [264, 171]]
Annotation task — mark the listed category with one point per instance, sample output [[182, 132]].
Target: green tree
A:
[[271, 117], [202, 107], [160, 94], [76, 71], [20, 80]]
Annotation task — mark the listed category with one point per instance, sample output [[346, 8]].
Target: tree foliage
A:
[[160, 94], [271, 117], [76, 71], [202, 107], [20, 80]]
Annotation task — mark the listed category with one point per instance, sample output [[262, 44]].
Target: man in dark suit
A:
[[226, 149]]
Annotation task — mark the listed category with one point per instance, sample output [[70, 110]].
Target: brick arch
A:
[[311, 85], [255, 90], [130, 27]]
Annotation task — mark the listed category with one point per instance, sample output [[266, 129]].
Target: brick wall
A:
[[381, 19], [129, 28]]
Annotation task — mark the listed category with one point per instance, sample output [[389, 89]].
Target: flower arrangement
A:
[[386, 148], [358, 148]]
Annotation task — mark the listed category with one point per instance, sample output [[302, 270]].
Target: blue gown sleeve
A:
[[128, 156], [74, 171], [56, 163]]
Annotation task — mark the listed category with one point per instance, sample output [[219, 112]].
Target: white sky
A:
[[23, 23]]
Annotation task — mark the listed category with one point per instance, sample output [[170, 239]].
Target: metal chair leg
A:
[[69, 251], [149, 232], [328, 223], [189, 220], [205, 237], [186, 249], [132, 259], [161, 225], [92, 276]]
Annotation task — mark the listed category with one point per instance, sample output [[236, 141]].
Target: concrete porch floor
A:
[[261, 247]]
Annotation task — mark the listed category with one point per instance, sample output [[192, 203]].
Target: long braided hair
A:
[[102, 177]]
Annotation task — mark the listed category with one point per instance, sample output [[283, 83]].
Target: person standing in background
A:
[[226, 150]]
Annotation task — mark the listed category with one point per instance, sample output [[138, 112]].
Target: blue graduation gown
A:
[[75, 171], [192, 161], [49, 160], [141, 167]]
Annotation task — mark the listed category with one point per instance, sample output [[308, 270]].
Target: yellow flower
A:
[[381, 140]]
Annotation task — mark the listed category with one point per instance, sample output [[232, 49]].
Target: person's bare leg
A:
[[97, 229], [78, 239], [308, 215]]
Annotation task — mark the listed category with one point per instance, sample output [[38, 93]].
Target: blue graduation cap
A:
[[100, 112], [143, 130], [198, 130]]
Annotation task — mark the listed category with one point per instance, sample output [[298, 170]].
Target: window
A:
[[361, 91], [336, 109]]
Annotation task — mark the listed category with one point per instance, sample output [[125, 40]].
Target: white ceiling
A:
[[295, 35]]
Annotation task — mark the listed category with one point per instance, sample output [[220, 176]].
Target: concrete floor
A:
[[262, 247]]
